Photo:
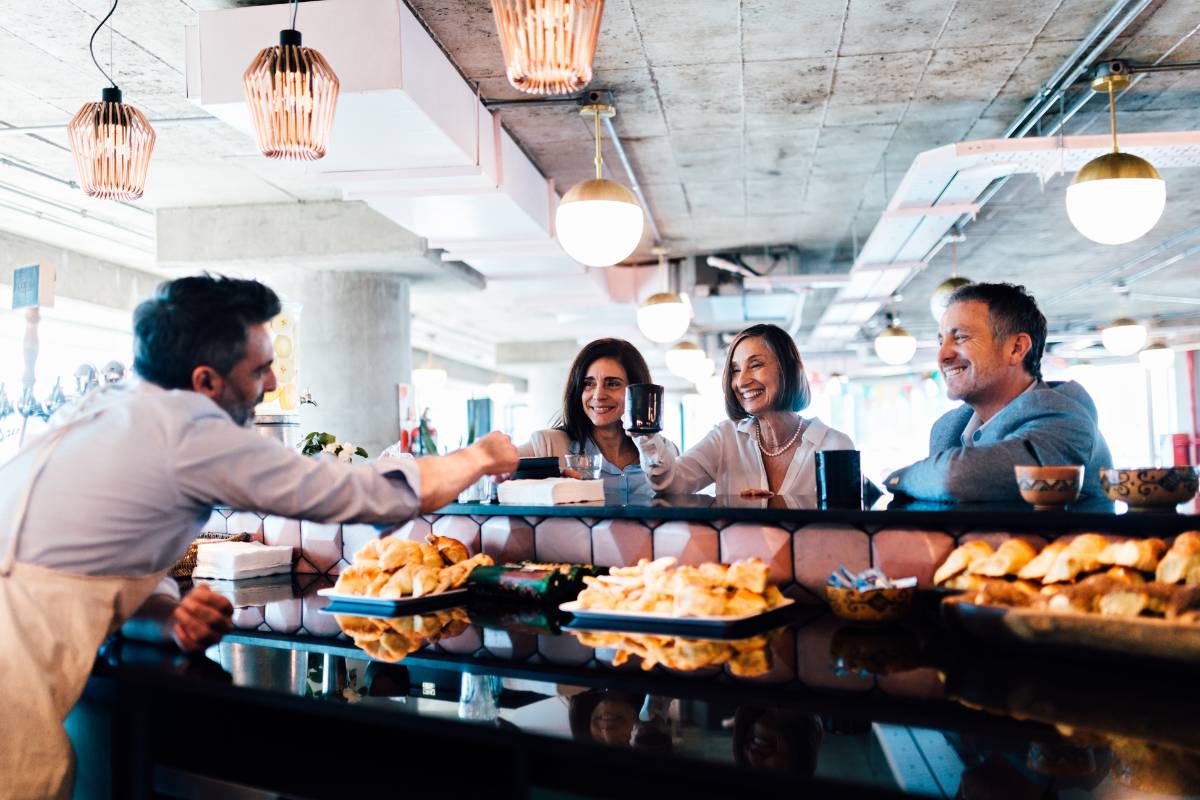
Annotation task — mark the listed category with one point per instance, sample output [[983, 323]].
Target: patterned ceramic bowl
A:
[[1153, 488], [1049, 488], [881, 605]]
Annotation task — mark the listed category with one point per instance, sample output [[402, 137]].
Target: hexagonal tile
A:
[[248, 618], [819, 549], [563, 649], [216, 523], [901, 553], [284, 616], [510, 645], [321, 546], [464, 529], [620, 542], [507, 539], [563, 539], [279, 531], [416, 530], [465, 643], [355, 537], [997, 538], [313, 621], [245, 522], [766, 542], [689, 542]]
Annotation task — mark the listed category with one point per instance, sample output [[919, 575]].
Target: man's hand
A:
[[496, 453], [201, 619]]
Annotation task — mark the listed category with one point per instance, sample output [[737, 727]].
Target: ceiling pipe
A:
[[162, 122]]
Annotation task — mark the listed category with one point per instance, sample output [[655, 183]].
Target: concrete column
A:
[[354, 348]]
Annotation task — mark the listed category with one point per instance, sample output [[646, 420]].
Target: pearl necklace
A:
[[758, 435]]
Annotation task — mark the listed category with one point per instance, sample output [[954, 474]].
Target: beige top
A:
[[729, 457]]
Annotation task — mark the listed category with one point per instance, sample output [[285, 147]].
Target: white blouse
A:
[[729, 456]]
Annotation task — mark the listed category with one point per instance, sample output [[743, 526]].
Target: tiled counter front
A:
[[800, 555]]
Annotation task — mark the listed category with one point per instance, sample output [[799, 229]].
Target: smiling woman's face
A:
[[604, 392], [755, 376], [612, 722]]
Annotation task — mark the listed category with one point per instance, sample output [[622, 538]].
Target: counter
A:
[[509, 705], [801, 543]]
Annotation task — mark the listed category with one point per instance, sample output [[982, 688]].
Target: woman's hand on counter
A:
[[201, 619]]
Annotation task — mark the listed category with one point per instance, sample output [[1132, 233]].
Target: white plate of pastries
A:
[[664, 591], [393, 570]]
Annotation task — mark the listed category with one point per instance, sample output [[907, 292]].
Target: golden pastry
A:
[[1182, 558], [451, 550], [1036, 569], [960, 559], [1008, 559], [1082, 555], [1140, 554]]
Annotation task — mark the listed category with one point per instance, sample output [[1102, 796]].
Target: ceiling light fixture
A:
[[686, 359], [1124, 337], [940, 299], [894, 345], [429, 376], [664, 316], [1157, 356], [292, 93], [111, 141], [599, 222], [548, 44], [500, 391], [1117, 197]]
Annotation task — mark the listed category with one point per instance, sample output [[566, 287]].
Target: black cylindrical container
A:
[[643, 408], [839, 479]]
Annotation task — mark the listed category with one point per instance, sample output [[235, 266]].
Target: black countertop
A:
[[888, 511], [501, 701]]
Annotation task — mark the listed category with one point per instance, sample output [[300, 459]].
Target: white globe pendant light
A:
[[664, 317], [894, 345], [940, 299], [1157, 356], [500, 391], [1117, 197], [686, 360], [599, 222], [1124, 337], [429, 376]]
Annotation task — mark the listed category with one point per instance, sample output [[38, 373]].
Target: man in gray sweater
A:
[[991, 340]]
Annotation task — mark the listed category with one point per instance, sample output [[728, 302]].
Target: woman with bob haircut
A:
[[765, 447], [590, 421]]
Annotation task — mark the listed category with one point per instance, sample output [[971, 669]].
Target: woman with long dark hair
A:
[[765, 447], [590, 421]]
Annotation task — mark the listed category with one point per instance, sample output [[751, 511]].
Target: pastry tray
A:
[[646, 622], [340, 603], [1120, 636]]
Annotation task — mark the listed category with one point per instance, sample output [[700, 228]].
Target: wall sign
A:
[[33, 286]]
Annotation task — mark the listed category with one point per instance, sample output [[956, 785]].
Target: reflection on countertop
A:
[[906, 707]]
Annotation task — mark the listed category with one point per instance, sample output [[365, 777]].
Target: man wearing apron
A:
[[95, 511]]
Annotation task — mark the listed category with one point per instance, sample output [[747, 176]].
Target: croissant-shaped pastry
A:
[[1007, 560], [1141, 554], [1150, 598], [399, 585], [1014, 594], [395, 552], [1036, 569], [1185, 605], [1183, 557], [1083, 596], [960, 558], [1081, 555], [451, 550], [425, 581]]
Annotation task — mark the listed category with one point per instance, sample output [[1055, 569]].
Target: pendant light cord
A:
[[1112, 114], [91, 42], [599, 159], [295, 8]]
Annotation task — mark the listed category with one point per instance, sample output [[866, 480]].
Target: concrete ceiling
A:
[[749, 123]]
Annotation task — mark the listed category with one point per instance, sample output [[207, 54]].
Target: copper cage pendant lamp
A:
[[292, 93], [112, 141], [548, 44]]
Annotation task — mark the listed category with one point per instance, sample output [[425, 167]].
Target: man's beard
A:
[[243, 413]]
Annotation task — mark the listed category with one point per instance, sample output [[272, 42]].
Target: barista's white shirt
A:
[[729, 457], [126, 492]]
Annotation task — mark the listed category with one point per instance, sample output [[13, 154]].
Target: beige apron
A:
[[51, 624]]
